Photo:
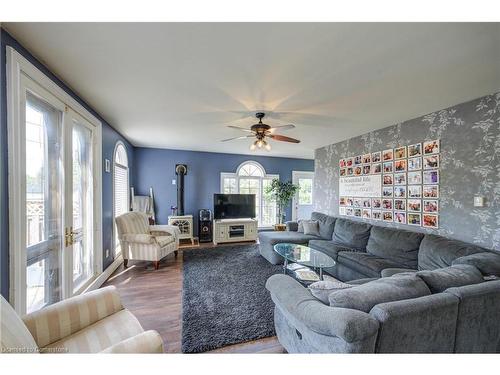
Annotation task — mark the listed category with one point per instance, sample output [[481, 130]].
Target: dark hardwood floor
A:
[[155, 298]]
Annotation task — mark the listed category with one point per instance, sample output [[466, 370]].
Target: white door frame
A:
[[294, 199], [18, 67]]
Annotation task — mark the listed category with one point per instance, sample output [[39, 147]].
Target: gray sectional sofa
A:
[[411, 293], [362, 250]]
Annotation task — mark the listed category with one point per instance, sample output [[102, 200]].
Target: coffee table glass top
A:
[[304, 255]]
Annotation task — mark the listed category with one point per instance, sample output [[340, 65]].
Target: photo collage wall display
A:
[[410, 185]]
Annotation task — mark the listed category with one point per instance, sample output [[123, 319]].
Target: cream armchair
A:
[[92, 322], [141, 241]]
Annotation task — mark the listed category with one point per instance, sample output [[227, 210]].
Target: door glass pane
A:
[[44, 197], [305, 192], [82, 204], [268, 205], [251, 186]]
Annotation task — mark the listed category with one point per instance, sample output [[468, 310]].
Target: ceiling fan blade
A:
[[242, 137], [278, 137], [281, 127], [237, 127]]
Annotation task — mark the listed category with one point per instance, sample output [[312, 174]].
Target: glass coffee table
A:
[[304, 256]]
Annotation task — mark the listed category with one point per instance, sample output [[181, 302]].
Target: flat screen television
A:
[[234, 206]]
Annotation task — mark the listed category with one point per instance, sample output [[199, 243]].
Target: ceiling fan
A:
[[262, 131]]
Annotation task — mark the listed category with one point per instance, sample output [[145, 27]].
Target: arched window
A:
[[120, 187], [251, 178]]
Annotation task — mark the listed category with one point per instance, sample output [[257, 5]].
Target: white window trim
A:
[[236, 176], [16, 67], [115, 164]]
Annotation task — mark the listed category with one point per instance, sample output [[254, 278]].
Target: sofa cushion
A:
[[400, 246], [351, 233], [459, 275], [326, 224], [311, 227], [364, 297], [273, 238], [488, 263], [322, 289], [14, 336], [367, 264], [439, 252], [388, 272], [328, 247]]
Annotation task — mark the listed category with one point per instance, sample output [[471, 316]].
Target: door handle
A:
[[69, 237]]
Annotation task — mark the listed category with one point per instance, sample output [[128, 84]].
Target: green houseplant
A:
[[282, 193]]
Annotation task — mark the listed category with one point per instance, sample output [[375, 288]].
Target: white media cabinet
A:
[[235, 230]]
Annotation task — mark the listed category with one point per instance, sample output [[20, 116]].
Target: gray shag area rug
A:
[[224, 299]]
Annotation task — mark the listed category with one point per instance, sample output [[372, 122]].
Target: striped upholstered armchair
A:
[[141, 241], [93, 322]]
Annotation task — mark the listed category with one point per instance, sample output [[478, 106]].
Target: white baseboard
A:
[[101, 279]]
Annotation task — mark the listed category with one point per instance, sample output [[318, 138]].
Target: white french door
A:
[[302, 202], [52, 199]]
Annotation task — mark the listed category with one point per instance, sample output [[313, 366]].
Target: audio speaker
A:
[[205, 226]]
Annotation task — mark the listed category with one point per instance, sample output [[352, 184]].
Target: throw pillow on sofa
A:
[[454, 276], [322, 289], [364, 297], [311, 227], [487, 263]]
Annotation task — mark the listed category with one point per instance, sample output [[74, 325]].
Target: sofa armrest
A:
[[145, 342], [296, 301], [138, 238], [64, 318], [292, 226]]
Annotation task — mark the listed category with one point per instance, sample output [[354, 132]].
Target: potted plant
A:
[[282, 192]]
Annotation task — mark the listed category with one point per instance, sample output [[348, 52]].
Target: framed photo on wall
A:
[[430, 221], [415, 150], [414, 219], [431, 147], [400, 204], [431, 162], [400, 217], [387, 216], [415, 164], [415, 178], [431, 177], [430, 191], [376, 157], [400, 153], [387, 191], [376, 168], [414, 205], [388, 155], [431, 206]]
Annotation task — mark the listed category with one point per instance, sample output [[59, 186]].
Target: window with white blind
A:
[[251, 178], [120, 188]]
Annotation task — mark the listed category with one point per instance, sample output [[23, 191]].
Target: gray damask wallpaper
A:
[[469, 166]]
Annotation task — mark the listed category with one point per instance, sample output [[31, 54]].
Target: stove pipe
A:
[[180, 171]]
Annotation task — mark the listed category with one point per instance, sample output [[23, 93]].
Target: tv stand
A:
[[234, 230]]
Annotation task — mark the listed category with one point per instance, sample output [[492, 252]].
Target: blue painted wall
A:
[[109, 139], [156, 168]]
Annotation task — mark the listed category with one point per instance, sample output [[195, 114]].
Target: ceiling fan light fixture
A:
[[260, 143], [253, 146], [268, 146]]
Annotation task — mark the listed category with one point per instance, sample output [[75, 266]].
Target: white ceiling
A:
[[178, 85]]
